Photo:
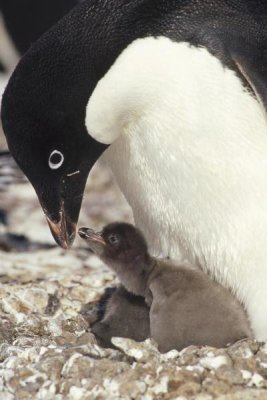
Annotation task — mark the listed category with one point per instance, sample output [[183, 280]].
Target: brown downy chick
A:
[[187, 307], [123, 248]]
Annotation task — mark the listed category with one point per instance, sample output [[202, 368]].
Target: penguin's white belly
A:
[[189, 151], [203, 199]]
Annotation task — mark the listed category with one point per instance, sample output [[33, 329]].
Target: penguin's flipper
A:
[[254, 71]]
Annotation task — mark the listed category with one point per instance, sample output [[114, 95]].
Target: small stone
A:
[[240, 349], [215, 387], [32, 325], [231, 376], [256, 380], [34, 298], [53, 304], [189, 389], [261, 361], [246, 375], [171, 355], [4, 395], [142, 352], [77, 366], [52, 367], [48, 392], [111, 386], [86, 338], [7, 330], [13, 306], [66, 338], [189, 356], [180, 377], [65, 386], [214, 362], [77, 393], [73, 325], [161, 385], [133, 387], [82, 294]]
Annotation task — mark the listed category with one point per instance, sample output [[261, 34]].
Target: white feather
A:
[[189, 151]]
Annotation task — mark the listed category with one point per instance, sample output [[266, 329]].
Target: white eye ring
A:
[[58, 164]]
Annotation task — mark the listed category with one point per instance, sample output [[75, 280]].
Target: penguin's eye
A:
[[56, 159], [113, 239]]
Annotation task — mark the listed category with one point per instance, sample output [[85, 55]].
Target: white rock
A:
[[34, 298], [171, 355], [195, 368], [162, 386], [256, 380], [111, 386], [76, 393], [212, 362], [10, 305], [6, 396], [48, 392], [264, 348], [141, 387], [54, 326], [67, 366], [6, 374], [11, 362], [43, 350], [181, 398], [246, 374]]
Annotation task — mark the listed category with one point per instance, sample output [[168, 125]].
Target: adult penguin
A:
[[173, 94]]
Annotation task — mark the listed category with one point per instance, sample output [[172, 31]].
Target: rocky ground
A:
[[46, 348]]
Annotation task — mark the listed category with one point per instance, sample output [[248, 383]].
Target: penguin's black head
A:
[[43, 116], [56, 154], [57, 164], [117, 242]]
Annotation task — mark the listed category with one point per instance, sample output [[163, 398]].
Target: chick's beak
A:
[[91, 236]]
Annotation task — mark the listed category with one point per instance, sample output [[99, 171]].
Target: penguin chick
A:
[[124, 315], [186, 306]]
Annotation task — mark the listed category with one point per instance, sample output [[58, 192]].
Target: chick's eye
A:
[[56, 159], [114, 239]]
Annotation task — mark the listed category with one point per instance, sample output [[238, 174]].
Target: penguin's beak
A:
[[63, 231], [62, 208]]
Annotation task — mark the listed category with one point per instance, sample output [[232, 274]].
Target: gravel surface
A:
[[46, 348]]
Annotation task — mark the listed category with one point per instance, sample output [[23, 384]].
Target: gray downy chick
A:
[[122, 314], [186, 306]]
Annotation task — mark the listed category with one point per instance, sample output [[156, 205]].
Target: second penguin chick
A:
[[187, 307], [124, 315]]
